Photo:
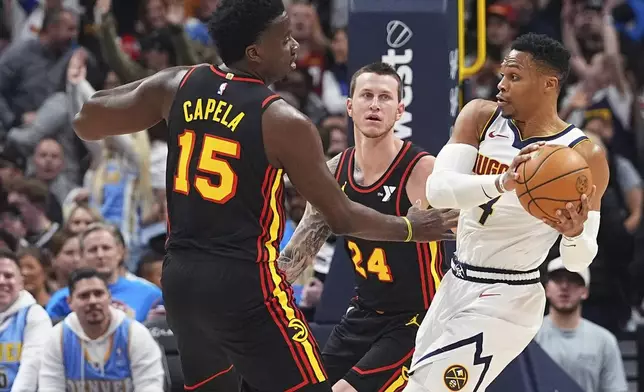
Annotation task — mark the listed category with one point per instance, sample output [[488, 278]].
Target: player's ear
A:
[[400, 110], [253, 53], [350, 107], [551, 83]]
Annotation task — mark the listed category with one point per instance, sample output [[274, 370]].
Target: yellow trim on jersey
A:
[[274, 229], [399, 382], [487, 124], [580, 142], [539, 136], [433, 249]]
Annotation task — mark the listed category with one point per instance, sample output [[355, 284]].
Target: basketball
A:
[[553, 177]]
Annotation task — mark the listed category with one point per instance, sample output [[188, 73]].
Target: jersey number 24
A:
[[376, 263], [209, 163]]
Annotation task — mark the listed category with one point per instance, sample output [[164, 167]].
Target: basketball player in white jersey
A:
[[491, 304]]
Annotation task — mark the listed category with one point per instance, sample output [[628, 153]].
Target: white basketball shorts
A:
[[472, 331]]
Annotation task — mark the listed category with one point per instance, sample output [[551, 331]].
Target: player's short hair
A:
[[378, 68], [237, 24], [82, 274], [548, 53]]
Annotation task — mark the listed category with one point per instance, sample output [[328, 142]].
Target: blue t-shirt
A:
[[135, 298]]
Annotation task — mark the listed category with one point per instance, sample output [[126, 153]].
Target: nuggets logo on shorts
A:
[[301, 332], [455, 377]]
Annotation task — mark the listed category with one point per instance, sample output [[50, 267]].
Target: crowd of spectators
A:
[[71, 208]]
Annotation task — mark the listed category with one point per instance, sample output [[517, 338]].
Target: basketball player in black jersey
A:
[[231, 140], [371, 348]]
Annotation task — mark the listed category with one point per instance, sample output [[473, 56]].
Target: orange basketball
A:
[[553, 177]]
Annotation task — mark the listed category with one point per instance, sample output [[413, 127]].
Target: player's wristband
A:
[[578, 252], [499, 183], [409, 230]]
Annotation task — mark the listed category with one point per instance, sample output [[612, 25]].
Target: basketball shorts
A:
[[478, 322], [239, 316], [372, 351]]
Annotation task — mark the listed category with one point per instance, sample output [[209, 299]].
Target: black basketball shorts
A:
[[239, 315], [371, 350]]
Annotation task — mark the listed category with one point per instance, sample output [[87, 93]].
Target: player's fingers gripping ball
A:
[[554, 177]]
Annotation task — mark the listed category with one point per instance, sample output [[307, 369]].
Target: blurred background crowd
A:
[[54, 54]]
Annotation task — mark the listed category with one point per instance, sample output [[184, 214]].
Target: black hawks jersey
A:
[[390, 276], [225, 200]]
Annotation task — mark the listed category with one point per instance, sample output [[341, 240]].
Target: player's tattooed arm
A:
[[308, 238]]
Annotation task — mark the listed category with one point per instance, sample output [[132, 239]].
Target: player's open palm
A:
[[570, 222], [433, 224], [509, 178]]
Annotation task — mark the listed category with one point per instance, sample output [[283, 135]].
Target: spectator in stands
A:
[[102, 248], [48, 166], [12, 223], [31, 198], [611, 295], [586, 351], [603, 89], [150, 267], [335, 80], [98, 345], [306, 29], [32, 70], [79, 217], [501, 29], [24, 329], [65, 250], [35, 268]]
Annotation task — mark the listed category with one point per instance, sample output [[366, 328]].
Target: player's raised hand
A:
[[570, 222], [433, 224], [510, 177]]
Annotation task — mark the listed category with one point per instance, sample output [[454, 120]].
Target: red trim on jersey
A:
[[383, 368], [338, 170], [262, 237], [233, 77], [391, 380], [439, 264], [273, 307], [403, 180], [277, 312], [384, 178], [186, 76], [423, 277], [204, 382], [269, 99]]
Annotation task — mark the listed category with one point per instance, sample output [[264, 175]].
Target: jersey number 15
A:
[[209, 163]]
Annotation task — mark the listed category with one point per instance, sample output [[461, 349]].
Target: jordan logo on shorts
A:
[[413, 321], [455, 377], [459, 271]]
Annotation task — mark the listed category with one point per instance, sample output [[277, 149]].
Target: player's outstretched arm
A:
[[308, 238], [130, 108], [452, 183], [292, 142], [579, 229]]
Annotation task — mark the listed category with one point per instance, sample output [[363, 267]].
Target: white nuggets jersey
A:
[[501, 234]]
